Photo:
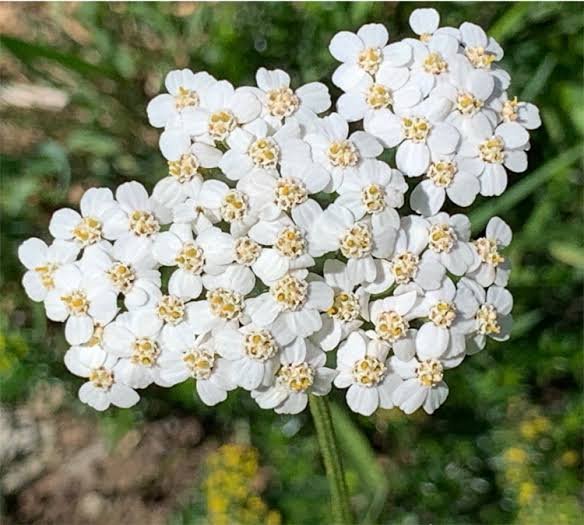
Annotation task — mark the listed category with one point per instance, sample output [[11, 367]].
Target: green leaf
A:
[[568, 254], [29, 53], [525, 187]]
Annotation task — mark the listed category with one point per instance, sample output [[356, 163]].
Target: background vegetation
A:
[[505, 448]]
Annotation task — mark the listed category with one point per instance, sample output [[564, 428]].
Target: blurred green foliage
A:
[[506, 447]]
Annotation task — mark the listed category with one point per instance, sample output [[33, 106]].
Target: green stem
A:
[[321, 414]]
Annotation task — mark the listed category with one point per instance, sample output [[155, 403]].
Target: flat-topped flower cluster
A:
[[277, 255]]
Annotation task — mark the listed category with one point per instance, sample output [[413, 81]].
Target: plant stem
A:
[[321, 414]]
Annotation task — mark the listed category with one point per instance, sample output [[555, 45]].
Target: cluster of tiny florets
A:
[[400, 298]]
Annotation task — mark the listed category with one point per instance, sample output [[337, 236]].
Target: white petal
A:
[[345, 46], [498, 229], [427, 198], [412, 158], [431, 341], [78, 329], [362, 400], [373, 35]]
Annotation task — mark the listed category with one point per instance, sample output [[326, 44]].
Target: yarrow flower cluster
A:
[[289, 262]]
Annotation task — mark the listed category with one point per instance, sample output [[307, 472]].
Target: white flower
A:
[[483, 52], [422, 385], [362, 55], [80, 301], [126, 269], [490, 311], [184, 174], [364, 367], [185, 90], [209, 252], [289, 247], [187, 356], [432, 61], [91, 226], [138, 218], [336, 150], [302, 373], [258, 150], [134, 337], [424, 22], [444, 334], [271, 196], [503, 148], [389, 90], [408, 264], [469, 90], [42, 261], [254, 353], [349, 306], [513, 110], [391, 320], [282, 104], [376, 191], [490, 266], [448, 242], [223, 110], [103, 388], [294, 303], [358, 241], [214, 202], [420, 133], [225, 303], [450, 175]]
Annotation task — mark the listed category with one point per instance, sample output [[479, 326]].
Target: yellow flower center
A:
[[233, 206], [185, 168], [467, 104], [345, 307], [368, 371], [171, 309], [487, 322], [442, 314], [88, 231], [101, 378], [296, 378], [343, 154], [221, 124], [76, 302], [378, 96], [370, 59], [479, 57], [391, 326], [143, 223], [122, 276], [96, 338], [46, 275], [356, 242], [425, 37], [200, 362], [264, 153], [404, 267], [435, 64], [290, 242], [441, 238], [225, 303], [289, 292], [289, 193], [488, 251], [246, 251], [282, 102], [509, 110], [430, 372], [442, 173], [260, 345], [492, 150], [145, 352], [191, 258], [415, 129], [373, 198], [186, 98]]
